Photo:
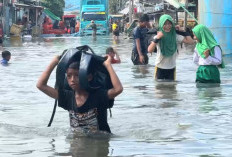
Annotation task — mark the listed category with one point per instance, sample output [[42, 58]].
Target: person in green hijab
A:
[[166, 42], [208, 55]]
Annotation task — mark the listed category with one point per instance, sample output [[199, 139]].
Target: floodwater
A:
[[150, 119]]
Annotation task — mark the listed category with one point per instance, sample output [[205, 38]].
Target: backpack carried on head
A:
[[89, 61]]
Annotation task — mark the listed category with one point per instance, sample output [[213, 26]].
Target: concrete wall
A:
[[217, 15]]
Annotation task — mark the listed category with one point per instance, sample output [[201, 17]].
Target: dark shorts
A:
[[165, 74], [135, 58], [116, 33]]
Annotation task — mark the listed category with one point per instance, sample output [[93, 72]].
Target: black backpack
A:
[[88, 61]]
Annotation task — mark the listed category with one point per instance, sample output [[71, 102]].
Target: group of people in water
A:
[[88, 109], [207, 54]]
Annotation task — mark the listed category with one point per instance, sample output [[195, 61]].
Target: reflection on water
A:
[[168, 119], [168, 92], [92, 147], [140, 71], [84, 147], [209, 93]]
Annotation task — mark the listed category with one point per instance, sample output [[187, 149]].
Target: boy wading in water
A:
[[208, 55], [139, 51], [87, 110]]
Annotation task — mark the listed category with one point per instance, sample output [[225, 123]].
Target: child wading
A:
[[114, 55], [6, 55], [87, 110], [139, 51], [208, 55]]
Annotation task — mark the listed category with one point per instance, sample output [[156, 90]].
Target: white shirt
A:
[[169, 62], [210, 60]]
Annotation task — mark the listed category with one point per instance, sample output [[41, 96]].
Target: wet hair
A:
[[5, 54], [109, 49], [144, 18], [74, 65]]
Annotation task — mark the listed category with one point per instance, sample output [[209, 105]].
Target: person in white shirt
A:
[[166, 42]]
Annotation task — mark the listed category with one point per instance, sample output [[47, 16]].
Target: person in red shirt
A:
[[67, 30], [114, 55], [61, 25]]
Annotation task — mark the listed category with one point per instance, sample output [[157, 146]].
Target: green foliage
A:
[[55, 6], [113, 4]]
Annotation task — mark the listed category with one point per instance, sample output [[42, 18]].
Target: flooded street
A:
[[150, 119]]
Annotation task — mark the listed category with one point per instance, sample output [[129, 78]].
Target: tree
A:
[[55, 6], [115, 6]]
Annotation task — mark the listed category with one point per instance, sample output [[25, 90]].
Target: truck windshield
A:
[[93, 16]]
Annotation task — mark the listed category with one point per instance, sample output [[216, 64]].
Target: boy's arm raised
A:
[[117, 57], [117, 86], [42, 82], [155, 40]]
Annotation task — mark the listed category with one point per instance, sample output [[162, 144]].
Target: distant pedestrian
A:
[[25, 19], [72, 25], [208, 55], [94, 28], [115, 30], [6, 55], [114, 55]]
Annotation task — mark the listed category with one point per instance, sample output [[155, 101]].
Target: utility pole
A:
[[120, 5], [131, 10], [5, 18], [186, 15]]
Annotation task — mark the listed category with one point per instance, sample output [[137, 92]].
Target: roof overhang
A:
[[20, 5]]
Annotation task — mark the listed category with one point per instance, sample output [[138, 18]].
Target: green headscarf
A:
[[168, 44], [206, 41]]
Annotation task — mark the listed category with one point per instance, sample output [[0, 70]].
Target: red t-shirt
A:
[[113, 61]]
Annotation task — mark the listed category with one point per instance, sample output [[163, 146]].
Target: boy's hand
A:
[[107, 61], [206, 53], [159, 35], [141, 59], [177, 27]]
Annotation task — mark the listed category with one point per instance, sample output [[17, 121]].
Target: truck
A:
[[96, 10]]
